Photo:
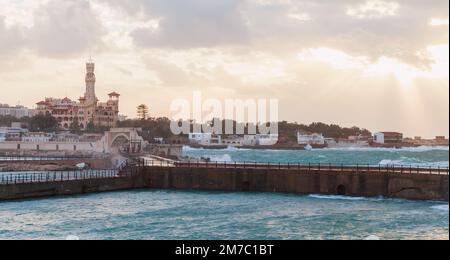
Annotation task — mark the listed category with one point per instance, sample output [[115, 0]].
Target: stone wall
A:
[[36, 190], [406, 186], [390, 185]]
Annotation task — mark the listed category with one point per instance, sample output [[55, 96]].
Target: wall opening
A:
[[341, 190]]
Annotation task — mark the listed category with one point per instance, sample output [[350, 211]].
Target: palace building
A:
[[87, 110]]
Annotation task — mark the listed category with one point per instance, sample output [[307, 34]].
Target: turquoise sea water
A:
[[205, 215], [420, 156]]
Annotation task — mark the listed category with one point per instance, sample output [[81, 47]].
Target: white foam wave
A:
[[221, 158], [187, 148], [414, 162], [441, 207], [333, 197], [403, 149]]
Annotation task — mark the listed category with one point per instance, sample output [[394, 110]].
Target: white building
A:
[[199, 138], [250, 140], [388, 138], [307, 138], [14, 132], [17, 111], [38, 137], [268, 139], [233, 141], [260, 139]]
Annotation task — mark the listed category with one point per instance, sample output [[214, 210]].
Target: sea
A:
[[188, 215]]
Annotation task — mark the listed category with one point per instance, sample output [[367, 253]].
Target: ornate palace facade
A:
[[87, 110]]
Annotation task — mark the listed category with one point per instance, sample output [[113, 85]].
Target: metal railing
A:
[[45, 158], [310, 167], [132, 168], [124, 170], [56, 176]]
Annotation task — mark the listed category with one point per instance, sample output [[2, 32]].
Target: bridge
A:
[[123, 140]]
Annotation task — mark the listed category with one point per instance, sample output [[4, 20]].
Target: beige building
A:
[[87, 110]]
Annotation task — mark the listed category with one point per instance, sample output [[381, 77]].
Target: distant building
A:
[[87, 110], [233, 140], [310, 138], [267, 139], [38, 137], [441, 140], [260, 140], [198, 138], [388, 138], [13, 133], [250, 140], [16, 111]]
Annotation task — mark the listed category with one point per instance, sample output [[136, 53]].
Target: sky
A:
[[378, 64]]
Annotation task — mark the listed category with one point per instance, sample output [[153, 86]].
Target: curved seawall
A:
[[346, 181]]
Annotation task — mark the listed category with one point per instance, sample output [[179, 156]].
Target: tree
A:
[[75, 126], [43, 123], [91, 128], [142, 112]]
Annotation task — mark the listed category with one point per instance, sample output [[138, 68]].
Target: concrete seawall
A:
[[406, 186], [390, 185], [64, 188]]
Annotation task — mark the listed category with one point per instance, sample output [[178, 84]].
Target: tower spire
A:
[[90, 82]]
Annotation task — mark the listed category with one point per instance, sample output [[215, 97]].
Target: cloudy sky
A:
[[380, 64]]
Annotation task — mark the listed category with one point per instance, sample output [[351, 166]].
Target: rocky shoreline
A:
[[30, 166]]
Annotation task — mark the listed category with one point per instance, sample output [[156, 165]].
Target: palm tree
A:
[[142, 112]]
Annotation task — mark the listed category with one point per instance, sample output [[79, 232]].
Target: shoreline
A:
[[293, 148]]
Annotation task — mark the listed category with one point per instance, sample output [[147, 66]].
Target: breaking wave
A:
[[221, 158], [413, 162], [441, 207], [418, 149], [333, 197]]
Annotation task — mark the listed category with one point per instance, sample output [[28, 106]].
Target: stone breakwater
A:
[[347, 182]]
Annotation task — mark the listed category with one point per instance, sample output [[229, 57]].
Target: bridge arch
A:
[[120, 140]]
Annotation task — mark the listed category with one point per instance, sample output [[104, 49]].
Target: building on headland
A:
[[419, 141], [87, 110], [37, 137], [441, 140], [16, 111], [200, 138], [13, 133], [260, 140], [267, 139], [113, 141], [304, 138], [388, 138]]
